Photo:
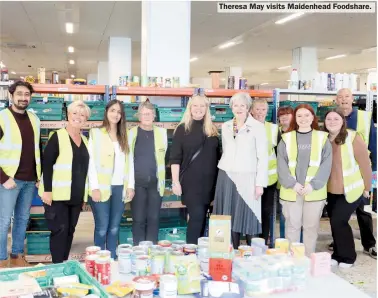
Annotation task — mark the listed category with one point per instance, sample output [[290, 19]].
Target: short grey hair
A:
[[146, 105], [79, 105], [243, 97]]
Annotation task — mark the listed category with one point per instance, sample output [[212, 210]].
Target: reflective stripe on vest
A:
[[363, 125], [352, 178], [62, 170], [103, 151], [160, 140], [11, 143], [318, 140], [272, 135]]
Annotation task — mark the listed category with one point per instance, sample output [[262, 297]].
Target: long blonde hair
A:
[[209, 128]]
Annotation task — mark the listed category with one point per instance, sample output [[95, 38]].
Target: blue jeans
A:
[[15, 202], [107, 216]]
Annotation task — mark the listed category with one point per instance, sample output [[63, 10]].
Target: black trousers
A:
[[267, 201], [365, 222], [61, 220], [145, 209], [196, 223], [339, 212]]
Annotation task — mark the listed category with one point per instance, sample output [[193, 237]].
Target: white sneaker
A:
[[345, 265], [334, 263]]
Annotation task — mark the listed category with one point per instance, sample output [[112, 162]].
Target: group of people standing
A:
[[304, 165]]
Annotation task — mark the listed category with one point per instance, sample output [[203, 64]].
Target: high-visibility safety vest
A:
[[318, 140], [353, 183], [11, 143], [104, 161], [272, 135], [160, 139], [363, 125], [62, 169]]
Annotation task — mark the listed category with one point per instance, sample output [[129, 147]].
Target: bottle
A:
[[294, 80]]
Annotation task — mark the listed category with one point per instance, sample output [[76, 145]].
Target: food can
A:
[[90, 263], [190, 249], [167, 252], [124, 258], [155, 248], [168, 286], [297, 250], [144, 81], [231, 82], [102, 270], [158, 262], [143, 265], [138, 248], [258, 241], [165, 243], [92, 250], [159, 82], [282, 245], [144, 287], [203, 241], [152, 82], [172, 261], [136, 80], [245, 251], [134, 256], [55, 77], [167, 82], [103, 253], [243, 84], [179, 242], [146, 246], [176, 82], [177, 247]]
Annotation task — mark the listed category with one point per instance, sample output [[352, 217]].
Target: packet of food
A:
[[120, 289]]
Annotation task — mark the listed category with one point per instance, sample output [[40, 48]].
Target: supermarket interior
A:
[[166, 52]]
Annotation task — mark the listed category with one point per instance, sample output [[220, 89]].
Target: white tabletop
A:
[[329, 286]]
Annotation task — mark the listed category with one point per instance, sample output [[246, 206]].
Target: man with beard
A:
[[361, 122], [20, 169]]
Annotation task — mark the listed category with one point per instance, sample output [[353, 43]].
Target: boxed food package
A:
[[188, 274], [220, 269], [219, 233]]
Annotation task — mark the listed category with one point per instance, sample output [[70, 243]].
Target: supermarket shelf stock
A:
[[68, 89], [314, 92], [231, 92], [151, 91]]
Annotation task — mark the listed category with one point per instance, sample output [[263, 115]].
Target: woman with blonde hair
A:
[[194, 157]]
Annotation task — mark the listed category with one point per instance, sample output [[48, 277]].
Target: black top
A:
[[144, 158], [26, 168], [198, 182], [80, 163]]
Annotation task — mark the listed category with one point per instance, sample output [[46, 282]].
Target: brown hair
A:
[[121, 125], [294, 125], [285, 110], [340, 138]]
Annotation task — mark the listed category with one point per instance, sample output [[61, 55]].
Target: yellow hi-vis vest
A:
[[11, 143], [62, 170], [160, 139], [272, 134], [353, 183], [318, 140], [363, 125], [104, 161]]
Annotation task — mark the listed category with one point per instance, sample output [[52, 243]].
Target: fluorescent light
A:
[[13, 72], [264, 84], [72, 61], [71, 49], [2, 64], [289, 18], [283, 67], [227, 45], [73, 76], [193, 59], [69, 28], [372, 69], [336, 57], [22, 78]]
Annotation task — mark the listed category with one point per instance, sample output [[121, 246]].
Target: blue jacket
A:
[[352, 124]]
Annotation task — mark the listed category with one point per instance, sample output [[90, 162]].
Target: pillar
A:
[[166, 39], [119, 58], [362, 84], [305, 61], [103, 73]]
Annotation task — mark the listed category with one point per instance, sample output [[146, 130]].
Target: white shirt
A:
[[119, 166]]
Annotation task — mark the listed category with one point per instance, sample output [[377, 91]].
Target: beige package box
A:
[[220, 233]]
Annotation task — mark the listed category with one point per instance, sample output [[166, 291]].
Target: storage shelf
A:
[[68, 89], [231, 92], [151, 91], [312, 92]]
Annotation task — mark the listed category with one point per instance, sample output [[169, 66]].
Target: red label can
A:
[[102, 270], [92, 250], [90, 262]]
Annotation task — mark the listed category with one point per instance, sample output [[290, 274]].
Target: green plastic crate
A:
[[294, 104], [125, 235], [58, 270], [322, 111], [269, 115], [37, 223], [173, 234], [168, 194], [38, 242], [50, 99], [3, 104], [97, 113], [167, 114], [221, 113], [131, 110], [47, 111]]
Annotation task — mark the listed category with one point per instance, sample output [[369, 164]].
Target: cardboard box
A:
[[220, 269], [220, 233]]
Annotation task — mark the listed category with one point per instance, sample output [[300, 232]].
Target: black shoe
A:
[[330, 247], [372, 251]]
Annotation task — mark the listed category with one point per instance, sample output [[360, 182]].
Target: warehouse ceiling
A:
[[32, 35]]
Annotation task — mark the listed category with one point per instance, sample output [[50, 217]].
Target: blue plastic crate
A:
[[168, 114]]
